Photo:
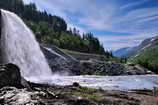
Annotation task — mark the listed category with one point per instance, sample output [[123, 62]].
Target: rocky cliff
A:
[[63, 63]]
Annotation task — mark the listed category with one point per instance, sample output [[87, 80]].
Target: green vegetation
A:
[[89, 93], [86, 56], [148, 58], [53, 29]]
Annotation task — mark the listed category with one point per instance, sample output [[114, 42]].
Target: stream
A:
[[107, 82]]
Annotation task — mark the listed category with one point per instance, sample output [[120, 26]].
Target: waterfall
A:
[[19, 46]]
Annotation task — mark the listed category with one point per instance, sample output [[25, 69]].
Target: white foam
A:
[[20, 47]]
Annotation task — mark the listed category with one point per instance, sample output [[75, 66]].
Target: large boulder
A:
[[136, 70], [10, 76]]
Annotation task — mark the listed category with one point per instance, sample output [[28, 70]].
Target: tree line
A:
[[53, 29]]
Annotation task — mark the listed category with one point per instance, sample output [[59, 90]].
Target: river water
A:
[[20, 47], [107, 82]]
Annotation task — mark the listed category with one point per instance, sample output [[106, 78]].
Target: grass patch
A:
[[148, 58], [89, 93], [87, 56], [80, 53]]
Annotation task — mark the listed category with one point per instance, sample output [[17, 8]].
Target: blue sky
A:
[[117, 23]]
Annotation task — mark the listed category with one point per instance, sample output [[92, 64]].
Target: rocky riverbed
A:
[[15, 90], [75, 95]]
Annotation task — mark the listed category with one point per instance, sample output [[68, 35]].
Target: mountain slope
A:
[[123, 51], [147, 54], [148, 58], [135, 51]]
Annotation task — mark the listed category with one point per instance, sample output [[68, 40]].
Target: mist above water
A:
[[19, 46]]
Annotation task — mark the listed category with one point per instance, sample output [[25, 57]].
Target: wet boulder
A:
[[136, 70], [10, 76]]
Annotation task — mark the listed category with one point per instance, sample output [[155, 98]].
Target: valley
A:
[[46, 59]]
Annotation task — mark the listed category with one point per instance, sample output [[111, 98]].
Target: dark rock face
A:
[[101, 68], [94, 67], [10, 76], [59, 61], [63, 63]]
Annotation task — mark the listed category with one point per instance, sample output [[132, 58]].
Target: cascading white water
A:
[[20, 47]]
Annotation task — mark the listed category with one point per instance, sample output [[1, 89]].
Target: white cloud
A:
[[94, 15], [27, 1], [82, 30], [100, 19], [134, 4], [142, 22], [116, 42], [135, 21]]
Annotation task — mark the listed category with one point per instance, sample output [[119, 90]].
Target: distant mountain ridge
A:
[[135, 51], [145, 54], [121, 52]]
